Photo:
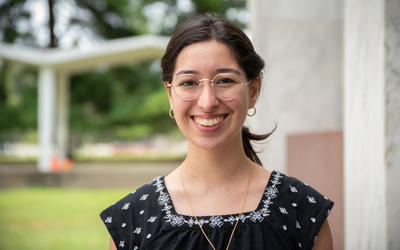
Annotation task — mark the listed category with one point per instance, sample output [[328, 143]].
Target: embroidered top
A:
[[288, 216]]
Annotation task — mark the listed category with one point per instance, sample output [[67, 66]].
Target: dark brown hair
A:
[[209, 27]]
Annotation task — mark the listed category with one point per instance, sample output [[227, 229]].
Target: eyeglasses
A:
[[226, 86]]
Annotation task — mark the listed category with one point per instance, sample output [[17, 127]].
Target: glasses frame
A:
[[171, 85]]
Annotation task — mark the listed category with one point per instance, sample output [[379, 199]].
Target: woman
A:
[[213, 77]]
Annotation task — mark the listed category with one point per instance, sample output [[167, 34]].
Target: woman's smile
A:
[[209, 123]]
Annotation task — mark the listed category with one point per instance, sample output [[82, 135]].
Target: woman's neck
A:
[[210, 166]]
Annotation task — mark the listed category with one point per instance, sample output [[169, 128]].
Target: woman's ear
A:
[[168, 89], [254, 91]]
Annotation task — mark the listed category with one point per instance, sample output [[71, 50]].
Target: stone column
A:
[[392, 94], [371, 122], [46, 89], [62, 115], [301, 42]]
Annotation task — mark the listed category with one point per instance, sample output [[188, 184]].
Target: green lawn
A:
[[54, 218]]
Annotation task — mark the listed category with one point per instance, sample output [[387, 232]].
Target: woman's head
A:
[[208, 27], [199, 50]]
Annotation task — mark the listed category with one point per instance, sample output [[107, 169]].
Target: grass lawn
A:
[[54, 218]]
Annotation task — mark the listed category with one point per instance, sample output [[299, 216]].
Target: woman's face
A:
[[208, 121]]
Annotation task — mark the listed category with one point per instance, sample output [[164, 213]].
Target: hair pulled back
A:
[[208, 27]]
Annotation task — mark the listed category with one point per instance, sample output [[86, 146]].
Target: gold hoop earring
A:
[[253, 113], [171, 113]]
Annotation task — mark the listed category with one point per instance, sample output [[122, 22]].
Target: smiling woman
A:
[[219, 197]]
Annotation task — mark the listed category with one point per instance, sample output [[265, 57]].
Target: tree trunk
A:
[[53, 39]]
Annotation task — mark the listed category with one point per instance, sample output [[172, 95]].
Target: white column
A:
[[47, 79], [392, 94], [372, 118], [62, 115]]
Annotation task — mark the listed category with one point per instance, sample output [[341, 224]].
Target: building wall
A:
[[301, 42]]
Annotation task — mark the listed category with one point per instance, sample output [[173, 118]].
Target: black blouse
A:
[[288, 216]]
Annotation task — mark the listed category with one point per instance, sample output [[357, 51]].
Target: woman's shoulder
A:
[[126, 218], [293, 188], [300, 208], [138, 198]]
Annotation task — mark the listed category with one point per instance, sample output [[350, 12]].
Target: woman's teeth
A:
[[208, 122]]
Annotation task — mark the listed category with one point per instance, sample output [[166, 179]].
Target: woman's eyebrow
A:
[[220, 70], [183, 72], [227, 70]]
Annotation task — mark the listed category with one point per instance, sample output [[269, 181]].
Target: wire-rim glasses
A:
[[226, 86]]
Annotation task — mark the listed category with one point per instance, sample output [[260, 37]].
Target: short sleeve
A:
[[313, 210], [308, 211], [119, 221]]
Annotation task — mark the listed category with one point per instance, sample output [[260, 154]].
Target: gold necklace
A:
[[197, 221]]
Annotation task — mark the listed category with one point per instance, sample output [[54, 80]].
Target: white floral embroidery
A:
[[311, 199], [298, 225], [231, 219], [176, 220], [294, 204], [190, 222], [123, 225], [300, 244], [284, 227], [201, 221], [126, 206], [163, 199], [265, 211], [108, 219], [256, 216], [283, 210], [293, 189], [141, 212], [135, 248], [270, 193], [152, 219], [144, 197], [313, 219], [216, 221], [148, 236], [122, 243], [137, 230]]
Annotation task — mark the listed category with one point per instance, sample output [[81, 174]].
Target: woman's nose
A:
[[207, 99]]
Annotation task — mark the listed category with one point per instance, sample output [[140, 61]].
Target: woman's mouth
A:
[[208, 122]]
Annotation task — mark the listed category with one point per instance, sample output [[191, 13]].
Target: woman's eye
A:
[[225, 81], [187, 84]]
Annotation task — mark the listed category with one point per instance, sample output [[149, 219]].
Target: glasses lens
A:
[[186, 86], [227, 86]]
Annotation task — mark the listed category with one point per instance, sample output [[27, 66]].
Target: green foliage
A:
[[126, 103], [18, 102], [54, 218]]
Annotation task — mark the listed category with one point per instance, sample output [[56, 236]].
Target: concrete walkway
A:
[[93, 175]]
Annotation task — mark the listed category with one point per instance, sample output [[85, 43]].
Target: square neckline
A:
[[262, 210]]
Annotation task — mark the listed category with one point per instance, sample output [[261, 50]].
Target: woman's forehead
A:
[[206, 57]]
